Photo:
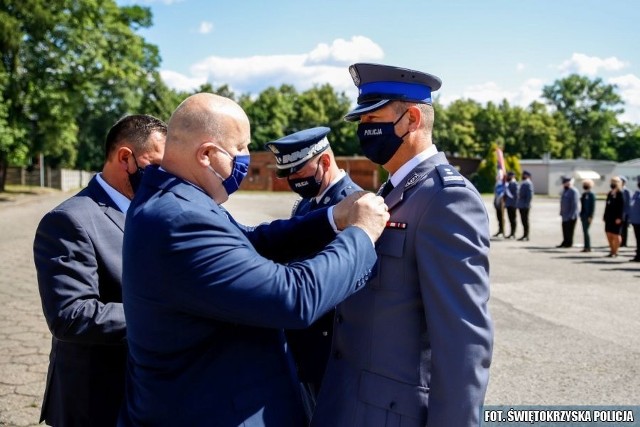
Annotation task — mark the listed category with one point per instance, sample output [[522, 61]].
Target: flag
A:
[[501, 172]]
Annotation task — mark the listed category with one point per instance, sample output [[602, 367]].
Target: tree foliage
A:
[[70, 68]]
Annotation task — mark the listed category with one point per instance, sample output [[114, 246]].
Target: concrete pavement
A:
[[567, 323]]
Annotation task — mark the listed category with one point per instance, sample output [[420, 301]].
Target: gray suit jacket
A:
[[78, 258], [413, 348]]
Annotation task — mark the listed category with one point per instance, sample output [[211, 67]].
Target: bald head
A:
[[206, 130], [204, 116]]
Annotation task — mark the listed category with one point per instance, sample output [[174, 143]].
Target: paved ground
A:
[[567, 323]]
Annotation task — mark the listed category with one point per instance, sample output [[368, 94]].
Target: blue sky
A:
[[486, 50]]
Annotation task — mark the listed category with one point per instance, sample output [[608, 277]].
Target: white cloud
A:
[[590, 65], [326, 63], [181, 82], [520, 67], [343, 52], [486, 92], [205, 27], [629, 90], [522, 96]]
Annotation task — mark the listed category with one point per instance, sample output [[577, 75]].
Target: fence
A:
[[61, 179]]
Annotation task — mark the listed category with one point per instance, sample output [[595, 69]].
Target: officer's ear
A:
[[325, 160], [415, 117]]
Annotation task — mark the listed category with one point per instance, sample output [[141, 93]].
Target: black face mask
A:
[[585, 187], [307, 187], [136, 177], [379, 141], [613, 186]]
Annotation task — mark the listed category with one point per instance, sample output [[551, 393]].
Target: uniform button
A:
[[339, 319], [337, 355]]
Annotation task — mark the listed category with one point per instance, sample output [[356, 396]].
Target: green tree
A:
[[270, 114], [456, 132], [323, 106], [71, 66], [485, 177], [590, 108], [627, 141]]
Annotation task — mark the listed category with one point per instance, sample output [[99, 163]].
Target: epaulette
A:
[[450, 176], [295, 207]]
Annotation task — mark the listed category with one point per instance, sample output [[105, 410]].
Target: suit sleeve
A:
[[216, 273], [67, 270], [453, 267], [294, 238]]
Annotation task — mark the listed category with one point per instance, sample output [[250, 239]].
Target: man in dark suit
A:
[[205, 298], [78, 258], [306, 160], [413, 348]]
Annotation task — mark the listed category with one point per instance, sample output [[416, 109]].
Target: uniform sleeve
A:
[[67, 270], [452, 248]]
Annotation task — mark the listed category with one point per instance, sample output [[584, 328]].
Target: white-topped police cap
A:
[[378, 84], [294, 151]]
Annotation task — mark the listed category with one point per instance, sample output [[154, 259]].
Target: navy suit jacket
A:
[[204, 304], [78, 258]]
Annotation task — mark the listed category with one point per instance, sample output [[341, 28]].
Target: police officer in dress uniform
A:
[[525, 195], [511, 202], [306, 160], [413, 348]]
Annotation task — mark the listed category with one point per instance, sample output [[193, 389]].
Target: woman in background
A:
[[613, 211]]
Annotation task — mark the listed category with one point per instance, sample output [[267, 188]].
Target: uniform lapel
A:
[[419, 174]]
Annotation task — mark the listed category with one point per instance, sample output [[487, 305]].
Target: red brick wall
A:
[[262, 172]]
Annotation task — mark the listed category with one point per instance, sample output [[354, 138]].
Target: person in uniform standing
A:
[[413, 347], [498, 204], [306, 160], [626, 197], [511, 203], [634, 219], [587, 209], [525, 195], [78, 258], [569, 210]]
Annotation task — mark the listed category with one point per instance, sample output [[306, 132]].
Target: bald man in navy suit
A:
[[206, 298]]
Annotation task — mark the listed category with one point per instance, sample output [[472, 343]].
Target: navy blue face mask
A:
[[379, 141], [239, 171], [307, 187]]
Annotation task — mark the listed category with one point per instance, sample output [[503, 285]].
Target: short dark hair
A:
[[134, 129]]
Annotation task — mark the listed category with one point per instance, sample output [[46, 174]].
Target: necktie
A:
[[386, 188]]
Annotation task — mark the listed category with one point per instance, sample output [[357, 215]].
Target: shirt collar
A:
[[118, 198], [340, 175], [404, 170]]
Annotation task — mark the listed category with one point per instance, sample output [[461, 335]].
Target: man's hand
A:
[[362, 209]]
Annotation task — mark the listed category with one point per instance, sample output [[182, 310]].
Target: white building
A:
[[546, 174]]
